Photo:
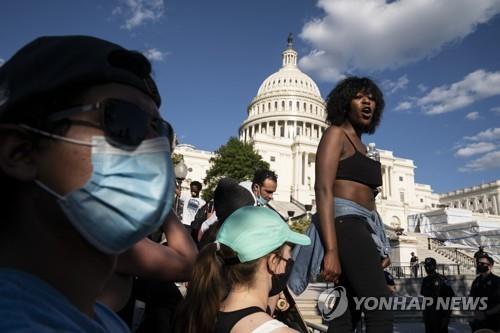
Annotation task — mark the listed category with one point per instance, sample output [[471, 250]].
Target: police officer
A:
[[435, 285], [486, 284]]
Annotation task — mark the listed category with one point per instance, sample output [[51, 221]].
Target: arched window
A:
[[290, 105], [275, 106], [283, 105]]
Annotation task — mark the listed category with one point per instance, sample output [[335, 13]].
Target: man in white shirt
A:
[[191, 203]]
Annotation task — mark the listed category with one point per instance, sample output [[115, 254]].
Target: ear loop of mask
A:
[[49, 190], [55, 136]]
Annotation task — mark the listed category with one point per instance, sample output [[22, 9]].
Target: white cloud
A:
[[404, 106], [376, 34], [1, 61], [138, 12], [475, 149], [491, 134], [496, 109], [488, 161], [422, 87], [475, 86], [155, 55], [472, 115], [392, 86]]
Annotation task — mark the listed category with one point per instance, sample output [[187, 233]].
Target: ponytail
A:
[[210, 283]]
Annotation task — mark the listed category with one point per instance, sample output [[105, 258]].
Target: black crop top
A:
[[227, 320], [360, 168]]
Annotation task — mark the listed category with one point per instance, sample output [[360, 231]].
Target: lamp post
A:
[[291, 213], [180, 171], [308, 210]]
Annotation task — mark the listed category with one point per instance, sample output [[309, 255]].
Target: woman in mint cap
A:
[[234, 277]]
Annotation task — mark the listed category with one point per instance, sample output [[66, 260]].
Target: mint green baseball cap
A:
[[252, 232]]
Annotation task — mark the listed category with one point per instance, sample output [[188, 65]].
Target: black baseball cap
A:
[[229, 196], [50, 66]]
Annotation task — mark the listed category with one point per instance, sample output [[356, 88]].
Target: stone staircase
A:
[[445, 256], [460, 274], [307, 301]]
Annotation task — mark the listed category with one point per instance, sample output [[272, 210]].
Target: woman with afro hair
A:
[[355, 246]]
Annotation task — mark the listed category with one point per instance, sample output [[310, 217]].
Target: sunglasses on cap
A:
[[123, 123]]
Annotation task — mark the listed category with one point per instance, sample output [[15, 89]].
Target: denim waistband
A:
[[347, 207]]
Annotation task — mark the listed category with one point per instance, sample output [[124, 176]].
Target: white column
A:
[[303, 167], [494, 201], [384, 182], [389, 179]]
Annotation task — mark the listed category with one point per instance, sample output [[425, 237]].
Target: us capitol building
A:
[[285, 121]]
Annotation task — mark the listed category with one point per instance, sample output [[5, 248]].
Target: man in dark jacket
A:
[[435, 286], [487, 285]]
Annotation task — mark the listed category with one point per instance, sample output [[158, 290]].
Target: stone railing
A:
[[418, 271], [451, 253]]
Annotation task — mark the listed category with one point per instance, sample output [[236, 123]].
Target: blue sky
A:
[[438, 63]]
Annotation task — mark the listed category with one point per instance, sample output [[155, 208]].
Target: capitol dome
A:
[[288, 104]]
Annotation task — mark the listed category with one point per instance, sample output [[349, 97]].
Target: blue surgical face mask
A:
[[261, 201], [127, 197]]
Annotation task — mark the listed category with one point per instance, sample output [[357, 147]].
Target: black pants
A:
[[362, 275], [436, 321]]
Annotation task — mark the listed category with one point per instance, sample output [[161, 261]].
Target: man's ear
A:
[[16, 153]]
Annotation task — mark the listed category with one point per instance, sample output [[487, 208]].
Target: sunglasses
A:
[[123, 123]]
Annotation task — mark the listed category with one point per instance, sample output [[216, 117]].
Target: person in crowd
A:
[[346, 184], [264, 184], [204, 218], [228, 197], [435, 286], [191, 203], [85, 174], [234, 276], [479, 253], [146, 273], [414, 264], [486, 284]]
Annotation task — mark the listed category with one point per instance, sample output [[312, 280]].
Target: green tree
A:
[[235, 159]]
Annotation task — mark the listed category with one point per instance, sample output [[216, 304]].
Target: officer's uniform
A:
[[436, 285], [488, 286]]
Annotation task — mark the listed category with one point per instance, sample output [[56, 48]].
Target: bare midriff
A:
[[354, 191]]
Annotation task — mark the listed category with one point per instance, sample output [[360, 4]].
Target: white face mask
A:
[[261, 201], [127, 197]]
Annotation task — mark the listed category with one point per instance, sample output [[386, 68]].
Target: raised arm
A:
[[151, 260], [327, 159]]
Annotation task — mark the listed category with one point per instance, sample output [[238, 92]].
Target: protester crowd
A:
[[91, 240]]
